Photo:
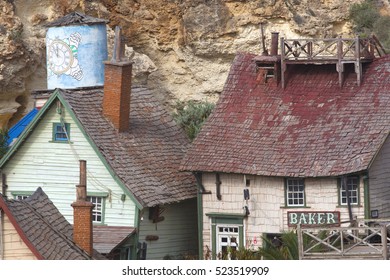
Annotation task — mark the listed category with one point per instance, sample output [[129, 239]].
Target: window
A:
[[352, 185], [97, 211], [295, 192], [20, 195], [228, 237], [227, 234], [61, 132]]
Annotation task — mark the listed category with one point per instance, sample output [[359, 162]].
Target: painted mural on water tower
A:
[[76, 46]]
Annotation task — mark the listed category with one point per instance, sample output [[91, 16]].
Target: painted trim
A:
[[4, 207], [54, 96], [200, 219], [98, 194], [67, 128], [137, 221], [225, 215], [214, 241], [225, 219], [23, 193], [367, 207]]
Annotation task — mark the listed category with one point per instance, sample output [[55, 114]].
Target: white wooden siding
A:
[[177, 234], [268, 213], [55, 168], [14, 247], [379, 182]]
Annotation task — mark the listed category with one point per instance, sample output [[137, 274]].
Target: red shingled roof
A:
[[311, 128]]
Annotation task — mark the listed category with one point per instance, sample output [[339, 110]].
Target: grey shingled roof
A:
[[75, 18], [312, 127], [107, 238], [147, 158], [45, 227]]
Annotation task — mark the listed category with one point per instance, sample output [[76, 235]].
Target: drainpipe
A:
[[1, 235], [344, 183]]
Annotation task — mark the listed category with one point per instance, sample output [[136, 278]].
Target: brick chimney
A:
[[117, 87], [82, 214]]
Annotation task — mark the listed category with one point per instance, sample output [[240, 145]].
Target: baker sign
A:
[[314, 218]]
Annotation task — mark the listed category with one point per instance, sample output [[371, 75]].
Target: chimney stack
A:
[[117, 87], [82, 214]]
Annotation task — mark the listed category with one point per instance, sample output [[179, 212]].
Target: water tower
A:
[[76, 46]]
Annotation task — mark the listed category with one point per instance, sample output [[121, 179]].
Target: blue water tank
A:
[[76, 46]]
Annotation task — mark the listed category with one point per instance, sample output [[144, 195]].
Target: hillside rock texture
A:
[[182, 47]]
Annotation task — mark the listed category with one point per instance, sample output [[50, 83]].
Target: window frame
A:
[[24, 194], [287, 192], [356, 191], [54, 132], [95, 210], [220, 220]]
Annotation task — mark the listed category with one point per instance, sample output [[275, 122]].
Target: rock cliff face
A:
[[183, 47]]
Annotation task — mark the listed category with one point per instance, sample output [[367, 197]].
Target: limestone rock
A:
[[182, 47]]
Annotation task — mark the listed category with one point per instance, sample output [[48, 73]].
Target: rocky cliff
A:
[[183, 47]]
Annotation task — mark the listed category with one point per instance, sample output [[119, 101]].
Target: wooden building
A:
[[144, 207], [292, 141], [34, 229]]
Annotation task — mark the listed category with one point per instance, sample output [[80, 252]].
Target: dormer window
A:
[[61, 132]]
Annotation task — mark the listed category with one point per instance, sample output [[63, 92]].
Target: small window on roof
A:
[[61, 132]]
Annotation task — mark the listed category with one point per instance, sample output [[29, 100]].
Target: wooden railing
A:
[[363, 242], [339, 51]]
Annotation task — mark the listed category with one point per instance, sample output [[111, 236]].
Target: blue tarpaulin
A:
[[15, 131]]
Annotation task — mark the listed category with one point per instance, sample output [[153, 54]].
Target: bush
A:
[[382, 30], [3, 142], [364, 16], [191, 116]]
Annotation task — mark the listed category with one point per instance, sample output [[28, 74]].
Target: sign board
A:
[[313, 218]]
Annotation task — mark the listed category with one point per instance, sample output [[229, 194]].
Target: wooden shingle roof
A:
[[311, 128], [48, 233], [147, 157]]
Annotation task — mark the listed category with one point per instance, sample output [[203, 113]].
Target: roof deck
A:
[[338, 51]]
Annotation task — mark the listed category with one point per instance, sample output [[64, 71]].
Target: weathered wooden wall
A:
[[379, 182], [14, 247], [177, 234], [268, 213], [55, 167]]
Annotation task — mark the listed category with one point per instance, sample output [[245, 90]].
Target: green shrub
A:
[[364, 16], [191, 116], [382, 30], [3, 142]]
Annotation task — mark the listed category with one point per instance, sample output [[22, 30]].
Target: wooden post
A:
[[300, 242], [384, 242], [340, 65], [358, 63], [310, 49], [282, 61]]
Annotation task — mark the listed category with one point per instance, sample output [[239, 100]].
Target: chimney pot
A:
[[82, 214]]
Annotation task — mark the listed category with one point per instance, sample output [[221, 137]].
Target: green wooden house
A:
[[144, 207]]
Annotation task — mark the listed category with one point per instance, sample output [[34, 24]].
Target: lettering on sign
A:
[[313, 218]]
